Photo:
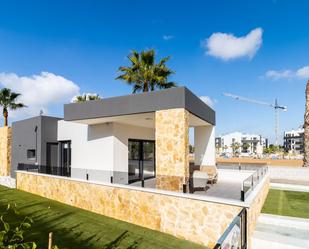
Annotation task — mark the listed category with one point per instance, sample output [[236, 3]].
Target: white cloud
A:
[[39, 92], [301, 73], [227, 46], [208, 101], [279, 74], [168, 37]]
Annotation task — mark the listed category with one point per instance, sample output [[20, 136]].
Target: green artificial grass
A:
[[76, 228], [287, 203]]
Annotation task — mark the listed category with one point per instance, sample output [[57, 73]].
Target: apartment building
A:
[[241, 144], [294, 141]]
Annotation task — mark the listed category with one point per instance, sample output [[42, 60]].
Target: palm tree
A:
[[86, 97], [8, 101], [144, 74], [235, 147], [306, 129], [245, 147]]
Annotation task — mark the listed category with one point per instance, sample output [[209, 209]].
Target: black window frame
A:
[[141, 160], [33, 158]]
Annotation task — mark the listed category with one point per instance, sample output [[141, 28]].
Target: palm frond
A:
[[15, 106], [144, 74]]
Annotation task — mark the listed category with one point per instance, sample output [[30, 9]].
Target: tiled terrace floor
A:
[[228, 185]]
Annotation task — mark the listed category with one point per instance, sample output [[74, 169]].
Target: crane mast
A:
[[275, 106]]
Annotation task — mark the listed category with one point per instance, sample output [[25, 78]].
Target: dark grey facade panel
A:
[[49, 128], [25, 136], [197, 107], [179, 97], [125, 105]]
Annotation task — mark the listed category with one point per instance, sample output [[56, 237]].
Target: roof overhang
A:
[[179, 97]]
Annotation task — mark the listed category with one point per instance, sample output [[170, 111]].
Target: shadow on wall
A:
[[99, 131]]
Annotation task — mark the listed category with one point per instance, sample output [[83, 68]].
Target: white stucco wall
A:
[[122, 133], [101, 150], [92, 149], [204, 145]]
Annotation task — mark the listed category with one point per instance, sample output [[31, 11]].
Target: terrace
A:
[[235, 182]]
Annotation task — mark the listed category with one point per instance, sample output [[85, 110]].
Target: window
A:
[[31, 154]]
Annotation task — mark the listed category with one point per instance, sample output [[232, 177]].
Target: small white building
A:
[[241, 144], [294, 141]]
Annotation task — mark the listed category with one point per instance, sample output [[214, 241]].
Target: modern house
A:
[[101, 153], [121, 139], [34, 142]]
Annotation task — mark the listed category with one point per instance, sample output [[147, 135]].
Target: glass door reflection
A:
[[141, 160]]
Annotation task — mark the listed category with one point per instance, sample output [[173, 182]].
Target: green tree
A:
[[8, 102], [12, 234], [13, 228], [272, 149], [245, 147], [144, 74], [86, 97], [191, 148], [235, 146]]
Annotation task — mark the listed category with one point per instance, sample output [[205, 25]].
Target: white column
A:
[[204, 145]]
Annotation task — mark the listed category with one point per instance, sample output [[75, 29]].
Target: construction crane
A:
[[275, 106]]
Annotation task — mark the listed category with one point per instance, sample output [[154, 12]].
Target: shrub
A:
[[12, 233]]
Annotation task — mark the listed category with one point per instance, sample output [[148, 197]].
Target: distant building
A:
[[241, 143], [294, 141]]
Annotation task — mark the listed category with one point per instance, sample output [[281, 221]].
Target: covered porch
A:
[[146, 146], [148, 136]]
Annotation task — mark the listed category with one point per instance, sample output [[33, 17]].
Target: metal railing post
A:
[[252, 181], [184, 188], [242, 195]]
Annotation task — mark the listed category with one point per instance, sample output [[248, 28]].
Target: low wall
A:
[[289, 175], [256, 203], [269, 162], [192, 219], [5, 150]]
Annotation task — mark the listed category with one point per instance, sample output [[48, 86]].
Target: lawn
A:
[[76, 228], [287, 203]]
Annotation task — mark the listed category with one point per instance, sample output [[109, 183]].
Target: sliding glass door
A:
[[141, 160], [65, 158]]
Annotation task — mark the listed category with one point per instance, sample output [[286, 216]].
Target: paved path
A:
[[281, 232], [7, 181], [291, 187]]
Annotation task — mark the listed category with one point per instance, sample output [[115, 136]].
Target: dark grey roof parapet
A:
[[178, 97], [38, 116]]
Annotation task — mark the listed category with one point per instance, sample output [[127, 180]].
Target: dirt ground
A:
[[269, 162]]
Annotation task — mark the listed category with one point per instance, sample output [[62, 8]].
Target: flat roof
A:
[[178, 97]]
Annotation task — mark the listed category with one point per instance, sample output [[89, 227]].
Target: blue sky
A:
[[81, 45]]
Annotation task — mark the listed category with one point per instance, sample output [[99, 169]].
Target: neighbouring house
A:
[[293, 141], [127, 158], [34, 142], [241, 144]]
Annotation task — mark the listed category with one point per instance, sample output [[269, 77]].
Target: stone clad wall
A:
[[5, 150], [254, 211], [172, 149], [196, 220]]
